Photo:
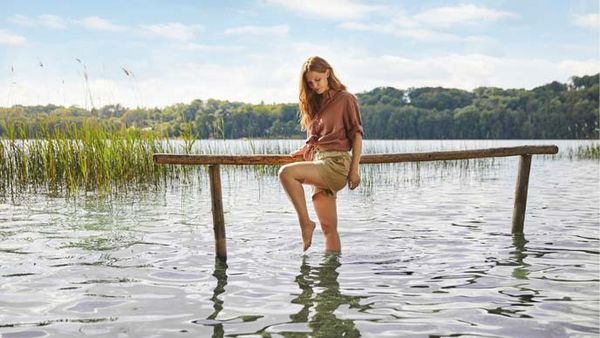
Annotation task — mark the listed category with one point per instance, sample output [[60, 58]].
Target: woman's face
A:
[[317, 81]]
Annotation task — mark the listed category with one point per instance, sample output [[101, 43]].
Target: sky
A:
[[153, 53]]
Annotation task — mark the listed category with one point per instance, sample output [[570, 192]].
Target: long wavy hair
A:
[[309, 99]]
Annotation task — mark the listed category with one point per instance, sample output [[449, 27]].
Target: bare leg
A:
[[326, 209], [292, 177]]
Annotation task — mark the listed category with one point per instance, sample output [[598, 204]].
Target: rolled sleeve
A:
[[352, 119]]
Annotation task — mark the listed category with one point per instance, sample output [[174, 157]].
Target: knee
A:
[[284, 172]]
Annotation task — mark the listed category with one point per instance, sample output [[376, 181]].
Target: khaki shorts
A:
[[333, 166]]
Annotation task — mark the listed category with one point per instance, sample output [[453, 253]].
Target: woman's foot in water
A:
[[307, 229]]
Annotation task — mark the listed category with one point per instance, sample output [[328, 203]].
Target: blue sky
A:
[[156, 53]]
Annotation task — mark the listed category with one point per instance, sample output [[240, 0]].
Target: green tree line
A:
[[552, 111]]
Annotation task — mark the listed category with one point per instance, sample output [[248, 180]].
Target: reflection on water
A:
[[519, 255], [220, 273], [522, 296], [320, 297], [324, 302]]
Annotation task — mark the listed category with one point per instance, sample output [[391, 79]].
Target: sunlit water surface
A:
[[427, 251]]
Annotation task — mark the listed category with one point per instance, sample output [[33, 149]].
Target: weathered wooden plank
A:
[[366, 159]]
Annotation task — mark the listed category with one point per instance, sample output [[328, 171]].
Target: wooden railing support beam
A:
[[521, 194], [217, 211]]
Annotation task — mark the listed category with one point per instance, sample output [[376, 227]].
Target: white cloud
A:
[[424, 34], [401, 19], [97, 23], [415, 33], [11, 39], [364, 27], [52, 21], [428, 25], [279, 31], [211, 48], [306, 49], [46, 20], [448, 16], [22, 20], [466, 71], [104, 91], [579, 68], [195, 80], [173, 31], [591, 20], [333, 9]]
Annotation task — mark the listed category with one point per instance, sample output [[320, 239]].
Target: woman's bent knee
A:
[[290, 171], [283, 172]]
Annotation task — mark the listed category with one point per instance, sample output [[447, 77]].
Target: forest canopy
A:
[[552, 111]]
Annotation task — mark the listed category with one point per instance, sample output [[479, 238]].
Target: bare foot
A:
[[307, 233]]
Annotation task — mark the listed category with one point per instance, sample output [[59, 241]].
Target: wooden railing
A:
[[214, 161]]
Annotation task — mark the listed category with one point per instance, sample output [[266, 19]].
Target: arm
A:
[[353, 177], [306, 150]]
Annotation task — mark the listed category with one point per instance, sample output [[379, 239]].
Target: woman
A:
[[333, 125]]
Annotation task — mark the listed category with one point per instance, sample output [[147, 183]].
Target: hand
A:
[[353, 179], [296, 153]]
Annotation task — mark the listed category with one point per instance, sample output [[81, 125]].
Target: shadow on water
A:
[[324, 323]]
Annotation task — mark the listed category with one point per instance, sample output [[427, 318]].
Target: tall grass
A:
[[83, 159], [588, 152]]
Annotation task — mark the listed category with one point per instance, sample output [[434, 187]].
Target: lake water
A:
[[426, 251]]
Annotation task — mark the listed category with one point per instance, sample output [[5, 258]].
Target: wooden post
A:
[[521, 194], [217, 211]]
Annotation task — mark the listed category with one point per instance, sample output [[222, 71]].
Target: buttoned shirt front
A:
[[335, 125]]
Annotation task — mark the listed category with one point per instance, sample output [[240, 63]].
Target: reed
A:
[[588, 152], [82, 159]]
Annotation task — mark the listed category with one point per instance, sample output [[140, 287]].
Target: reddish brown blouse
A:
[[335, 125]]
